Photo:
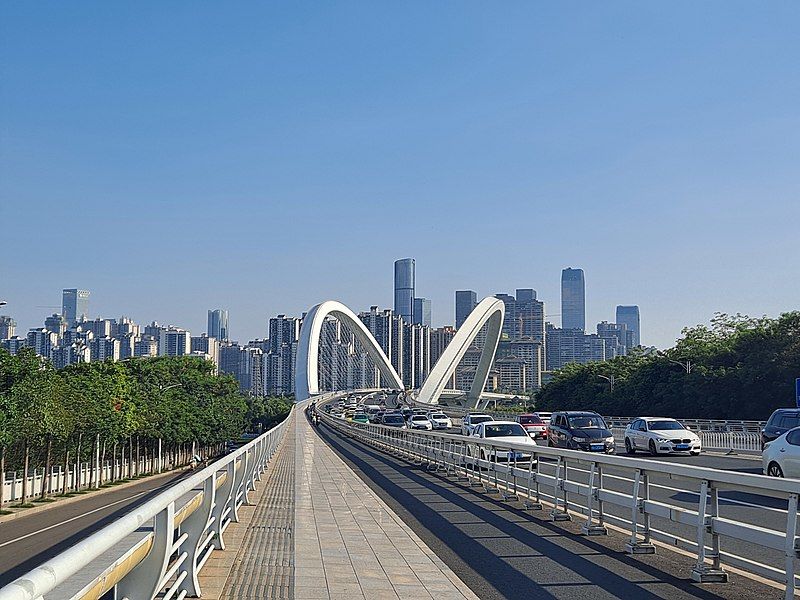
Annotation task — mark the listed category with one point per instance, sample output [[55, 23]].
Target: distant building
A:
[[246, 365], [124, 326], [104, 348], [572, 346], [524, 316], [531, 352], [13, 344], [629, 316], [42, 341], [145, 347], [416, 354], [174, 341], [616, 338], [218, 324], [278, 364], [466, 301], [209, 346], [388, 329], [75, 305], [56, 323], [127, 345], [422, 312], [404, 278], [70, 354], [8, 327], [512, 374], [100, 327], [573, 299]]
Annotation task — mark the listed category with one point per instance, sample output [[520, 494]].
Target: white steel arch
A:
[[307, 367], [489, 310]]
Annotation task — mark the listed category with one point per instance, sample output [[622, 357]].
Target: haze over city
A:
[[175, 159]]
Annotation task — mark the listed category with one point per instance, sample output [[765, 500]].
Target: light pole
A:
[[687, 366], [609, 379]]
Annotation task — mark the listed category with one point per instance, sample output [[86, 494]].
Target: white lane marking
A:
[[27, 535]]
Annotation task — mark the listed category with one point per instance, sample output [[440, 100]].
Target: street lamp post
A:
[[687, 366], [609, 379]]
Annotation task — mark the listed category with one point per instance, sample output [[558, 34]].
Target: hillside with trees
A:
[[737, 368]]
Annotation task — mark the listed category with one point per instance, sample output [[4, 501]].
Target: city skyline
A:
[[659, 161]]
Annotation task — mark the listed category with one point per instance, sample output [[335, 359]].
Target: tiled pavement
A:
[[348, 544]]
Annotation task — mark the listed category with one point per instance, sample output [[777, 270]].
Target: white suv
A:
[[469, 422]]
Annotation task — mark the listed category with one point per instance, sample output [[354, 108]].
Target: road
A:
[[502, 551], [28, 541]]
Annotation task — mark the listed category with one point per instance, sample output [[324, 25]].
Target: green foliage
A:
[[177, 399], [738, 368]]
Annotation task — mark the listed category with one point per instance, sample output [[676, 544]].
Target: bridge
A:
[[362, 510]]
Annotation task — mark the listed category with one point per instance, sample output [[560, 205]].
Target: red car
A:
[[533, 425]]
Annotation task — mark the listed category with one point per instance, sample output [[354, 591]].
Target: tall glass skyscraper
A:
[[466, 301], [404, 274], [573, 299], [218, 324], [629, 316], [75, 305]]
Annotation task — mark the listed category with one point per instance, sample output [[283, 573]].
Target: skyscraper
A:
[[7, 327], [573, 299], [422, 312], [404, 275], [466, 301], [629, 316], [218, 324], [75, 305]]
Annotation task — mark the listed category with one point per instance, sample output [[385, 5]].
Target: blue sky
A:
[[261, 157]]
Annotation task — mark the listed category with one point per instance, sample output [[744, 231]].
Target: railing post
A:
[[223, 505], [590, 528], [238, 481], [558, 485], [791, 545], [634, 546], [703, 573], [197, 541], [144, 581]]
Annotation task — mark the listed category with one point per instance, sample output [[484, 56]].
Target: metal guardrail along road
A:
[[160, 547], [723, 518]]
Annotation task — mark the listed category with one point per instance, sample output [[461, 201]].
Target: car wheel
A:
[[628, 448], [695, 452], [774, 470], [653, 450]]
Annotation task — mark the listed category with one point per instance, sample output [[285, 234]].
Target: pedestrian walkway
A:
[[317, 531]]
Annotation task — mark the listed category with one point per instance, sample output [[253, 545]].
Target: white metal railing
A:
[[165, 541], [724, 518]]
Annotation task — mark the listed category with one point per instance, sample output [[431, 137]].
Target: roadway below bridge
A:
[[29, 540], [501, 550]]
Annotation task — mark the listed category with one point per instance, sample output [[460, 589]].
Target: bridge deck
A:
[[345, 541]]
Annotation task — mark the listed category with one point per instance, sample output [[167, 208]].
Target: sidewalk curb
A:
[[64, 501]]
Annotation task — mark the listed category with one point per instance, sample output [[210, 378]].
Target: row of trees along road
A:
[[130, 413], [737, 368]]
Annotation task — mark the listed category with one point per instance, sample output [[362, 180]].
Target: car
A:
[[360, 417], [406, 412], [500, 431], [439, 420], [580, 430], [376, 416], [393, 420], [534, 425], [544, 416], [781, 456], [660, 434], [781, 421], [469, 421], [419, 422], [337, 415]]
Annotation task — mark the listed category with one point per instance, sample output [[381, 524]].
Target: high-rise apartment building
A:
[[629, 316], [404, 277], [388, 329], [209, 346], [616, 337], [69, 354], [75, 305], [42, 341], [104, 348], [56, 323], [174, 341], [422, 312], [8, 327], [218, 324], [573, 299], [572, 345], [466, 301]]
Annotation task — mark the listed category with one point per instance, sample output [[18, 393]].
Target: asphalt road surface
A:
[[28, 541], [503, 551]]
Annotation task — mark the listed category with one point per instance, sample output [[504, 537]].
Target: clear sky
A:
[[264, 156]]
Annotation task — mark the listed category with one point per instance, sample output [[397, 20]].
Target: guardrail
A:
[[159, 547], [725, 519]]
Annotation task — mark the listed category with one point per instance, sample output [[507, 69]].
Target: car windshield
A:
[[587, 422], [530, 420], [438, 416], [480, 419], [392, 419], [419, 418], [503, 430], [663, 425]]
